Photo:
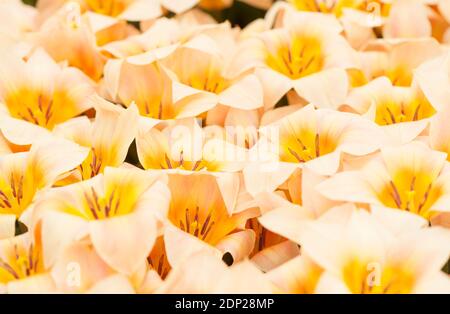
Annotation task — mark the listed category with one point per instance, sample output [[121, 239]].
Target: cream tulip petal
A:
[[124, 242], [325, 165], [22, 132], [141, 10], [115, 284], [275, 255], [405, 132], [244, 94], [239, 244], [274, 85], [59, 230], [79, 268], [266, 178], [348, 186], [326, 89], [397, 221], [331, 284], [177, 6], [180, 245], [7, 226], [37, 284], [287, 221], [407, 19]]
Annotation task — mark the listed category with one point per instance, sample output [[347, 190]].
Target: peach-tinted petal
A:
[[287, 221], [117, 284], [124, 241], [239, 244], [326, 89], [37, 284], [180, 245], [275, 255], [7, 226]]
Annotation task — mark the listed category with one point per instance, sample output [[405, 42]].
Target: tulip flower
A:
[[22, 269], [130, 10], [411, 177], [307, 54], [307, 139], [142, 80], [108, 137], [197, 222], [25, 175], [117, 210], [210, 75], [80, 49], [402, 112], [363, 255], [40, 91]]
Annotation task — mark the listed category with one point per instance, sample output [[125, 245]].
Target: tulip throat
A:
[[374, 278], [211, 81], [157, 259], [300, 57], [304, 148], [23, 263], [15, 194], [392, 112], [108, 7], [31, 106], [415, 194], [181, 163], [102, 207], [193, 224]]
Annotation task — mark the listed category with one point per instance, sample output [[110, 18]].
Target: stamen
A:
[[425, 197], [293, 153], [396, 195], [187, 221], [391, 115], [9, 269], [317, 144], [208, 230], [416, 113], [90, 205], [197, 163], [169, 165]]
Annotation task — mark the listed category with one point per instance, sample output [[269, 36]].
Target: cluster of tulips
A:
[[146, 147]]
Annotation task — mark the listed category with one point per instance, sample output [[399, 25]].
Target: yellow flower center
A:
[[391, 111], [92, 165], [413, 192], [21, 264], [32, 106], [305, 146], [16, 194], [209, 80], [41, 108], [336, 6], [108, 7], [106, 206], [367, 278], [299, 57]]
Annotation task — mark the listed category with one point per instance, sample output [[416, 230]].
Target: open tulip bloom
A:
[[221, 146]]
